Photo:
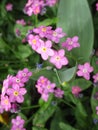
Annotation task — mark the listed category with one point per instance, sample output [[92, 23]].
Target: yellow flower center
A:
[[6, 101], [48, 87], [34, 41], [84, 70], [43, 29], [57, 58], [70, 43], [16, 93], [44, 49], [54, 34], [42, 81]]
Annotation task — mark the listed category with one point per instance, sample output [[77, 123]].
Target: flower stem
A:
[[57, 76], [24, 108]]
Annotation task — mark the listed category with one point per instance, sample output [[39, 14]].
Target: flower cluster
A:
[[45, 87], [43, 40], [13, 90], [18, 123], [38, 6]]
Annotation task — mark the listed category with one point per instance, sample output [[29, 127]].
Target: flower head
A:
[[57, 34], [9, 7], [76, 90], [58, 59], [34, 41], [85, 70], [45, 49], [97, 6], [58, 93], [43, 31], [17, 123], [71, 43], [16, 94], [5, 103]]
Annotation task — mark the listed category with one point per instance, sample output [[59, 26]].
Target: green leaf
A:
[[47, 22], [82, 83], [75, 19], [23, 29], [95, 66], [23, 51], [57, 118], [67, 75], [44, 113], [64, 126], [94, 101], [38, 128]]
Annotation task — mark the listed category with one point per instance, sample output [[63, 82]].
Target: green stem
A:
[[57, 76], [24, 108], [67, 103]]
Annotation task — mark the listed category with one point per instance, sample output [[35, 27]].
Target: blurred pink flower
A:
[[58, 93], [76, 90], [95, 77], [58, 59], [97, 6], [9, 7], [17, 123], [5, 103], [71, 43], [85, 70], [21, 21], [51, 2]]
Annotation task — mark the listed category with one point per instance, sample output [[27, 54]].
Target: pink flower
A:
[[45, 49], [5, 103], [18, 123], [71, 43], [16, 94], [95, 77], [58, 59], [51, 2], [43, 31], [49, 88], [58, 93], [21, 21], [85, 70], [34, 41], [76, 90], [45, 96], [97, 6], [45, 87], [9, 7], [57, 35], [6, 83], [24, 74], [42, 81], [33, 7]]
